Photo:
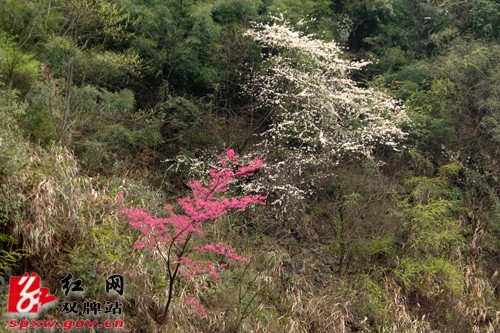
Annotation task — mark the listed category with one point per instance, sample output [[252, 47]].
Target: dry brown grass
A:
[[284, 292], [54, 197]]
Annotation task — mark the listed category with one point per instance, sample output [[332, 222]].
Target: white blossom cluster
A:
[[319, 113]]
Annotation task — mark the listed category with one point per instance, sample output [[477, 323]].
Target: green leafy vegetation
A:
[[103, 98]]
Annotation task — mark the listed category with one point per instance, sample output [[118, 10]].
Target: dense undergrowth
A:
[[108, 99]]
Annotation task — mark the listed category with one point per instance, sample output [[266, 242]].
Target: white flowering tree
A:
[[319, 114]]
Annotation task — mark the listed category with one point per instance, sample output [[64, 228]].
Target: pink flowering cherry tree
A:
[[173, 237]]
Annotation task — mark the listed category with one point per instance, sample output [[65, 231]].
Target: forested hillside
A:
[[254, 165]]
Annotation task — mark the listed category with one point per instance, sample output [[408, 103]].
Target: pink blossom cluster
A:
[[193, 268], [171, 235], [194, 302], [223, 250], [205, 204]]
